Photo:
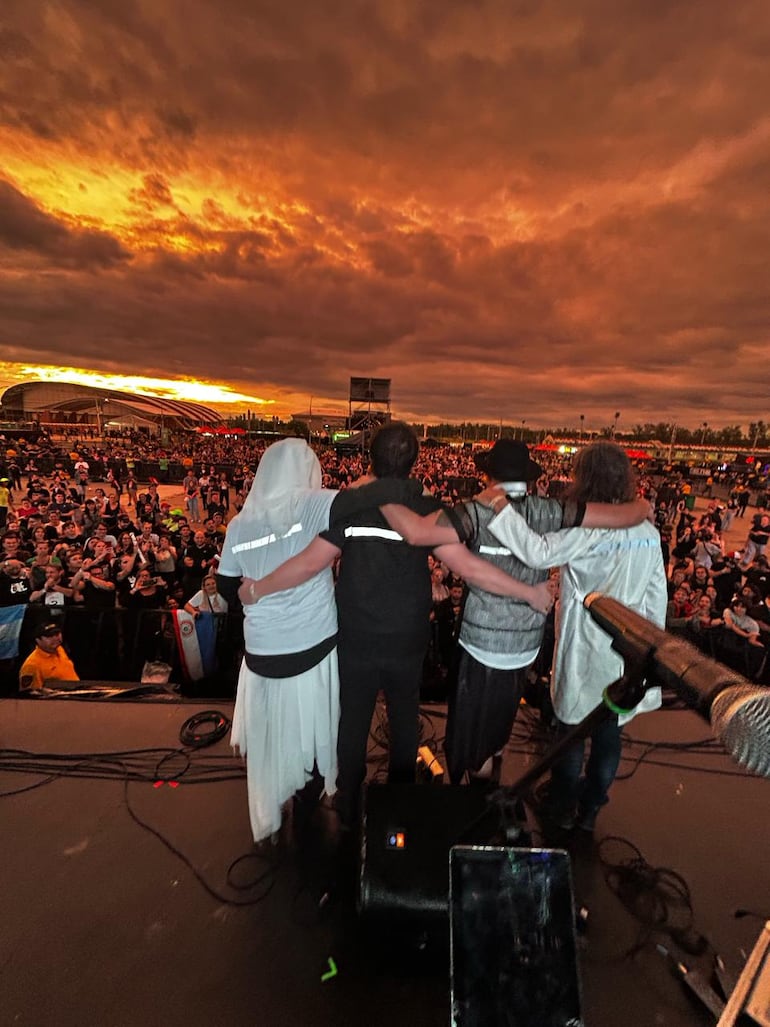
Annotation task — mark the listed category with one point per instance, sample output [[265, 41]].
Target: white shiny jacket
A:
[[625, 563]]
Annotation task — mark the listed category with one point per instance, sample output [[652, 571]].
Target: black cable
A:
[[141, 765], [739, 914], [193, 735], [658, 897], [268, 875], [30, 788], [148, 766], [161, 772]]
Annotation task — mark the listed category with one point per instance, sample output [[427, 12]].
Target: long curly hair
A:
[[603, 474]]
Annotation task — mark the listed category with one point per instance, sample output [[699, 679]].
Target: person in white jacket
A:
[[626, 564]]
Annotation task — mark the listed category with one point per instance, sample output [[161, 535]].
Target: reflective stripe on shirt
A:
[[266, 540], [495, 551], [386, 533]]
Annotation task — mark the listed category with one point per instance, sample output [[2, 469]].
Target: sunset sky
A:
[[515, 209]]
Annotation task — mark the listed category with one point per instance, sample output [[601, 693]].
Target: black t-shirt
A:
[[14, 591], [726, 583], [199, 555], [78, 539], [95, 598], [760, 536], [384, 584], [759, 578], [138, 601]]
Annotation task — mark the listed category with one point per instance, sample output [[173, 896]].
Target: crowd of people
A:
[[89, 535], [719, 598]]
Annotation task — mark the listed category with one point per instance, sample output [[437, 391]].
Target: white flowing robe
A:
[[284, 725]]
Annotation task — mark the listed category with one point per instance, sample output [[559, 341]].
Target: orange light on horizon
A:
[[190, 389]]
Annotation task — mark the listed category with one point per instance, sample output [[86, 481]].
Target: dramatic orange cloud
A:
[[515, 210]]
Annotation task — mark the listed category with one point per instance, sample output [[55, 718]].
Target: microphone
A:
[[738, 709]]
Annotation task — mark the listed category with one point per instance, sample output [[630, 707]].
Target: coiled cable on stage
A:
[[204, 728]]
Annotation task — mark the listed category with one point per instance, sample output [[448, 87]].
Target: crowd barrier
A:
[[115, 643], [143, 470]]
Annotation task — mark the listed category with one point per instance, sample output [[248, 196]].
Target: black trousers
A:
[[482, 708], [368, 664]]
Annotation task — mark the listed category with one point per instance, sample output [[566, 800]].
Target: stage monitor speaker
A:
[[370, 390], [407, 833], [513, 945]]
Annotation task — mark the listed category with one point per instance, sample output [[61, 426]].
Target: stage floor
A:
[[103, 925]]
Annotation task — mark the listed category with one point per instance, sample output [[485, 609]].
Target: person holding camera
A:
[[147, 592]]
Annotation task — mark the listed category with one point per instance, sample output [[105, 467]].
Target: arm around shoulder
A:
[[617, 515], [487, 576], [313, 559], [434, 529]]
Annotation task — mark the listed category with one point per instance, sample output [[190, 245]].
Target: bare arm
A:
[[313, 559], [752, 637], [489, 577], [434, 529]]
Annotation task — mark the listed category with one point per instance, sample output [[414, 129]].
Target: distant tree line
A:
[[756, 437]]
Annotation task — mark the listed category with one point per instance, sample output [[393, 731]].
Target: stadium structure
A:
[[53, 404]]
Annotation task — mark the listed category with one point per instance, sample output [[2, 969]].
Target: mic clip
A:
[[625, 694]]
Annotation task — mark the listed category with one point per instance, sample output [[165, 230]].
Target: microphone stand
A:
[[618, 698]]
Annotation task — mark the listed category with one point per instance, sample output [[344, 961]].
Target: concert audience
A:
[[67, 537]]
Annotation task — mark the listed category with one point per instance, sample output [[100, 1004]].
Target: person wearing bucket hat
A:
[[48, 660], [508, 461], [383, 597], [499, 638], [625, 564]]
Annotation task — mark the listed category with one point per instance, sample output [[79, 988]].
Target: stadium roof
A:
[[37, 397]]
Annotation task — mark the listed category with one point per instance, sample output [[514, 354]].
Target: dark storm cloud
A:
[[177, 122], [531, 208], [24, 227]]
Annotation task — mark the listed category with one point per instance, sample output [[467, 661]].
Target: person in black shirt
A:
[[195, 559], [15, 586], [383, 600], [726, 579], [72, 535], [758, 576]]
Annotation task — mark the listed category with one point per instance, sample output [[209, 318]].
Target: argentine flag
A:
[[196, 639], [10, 626]]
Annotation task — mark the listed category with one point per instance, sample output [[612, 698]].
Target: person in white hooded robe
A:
[[287, 703]]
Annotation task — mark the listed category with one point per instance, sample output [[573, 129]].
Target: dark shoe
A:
[[553, 817], [481, 784], [550, 813], [586, 818], [564, 820]]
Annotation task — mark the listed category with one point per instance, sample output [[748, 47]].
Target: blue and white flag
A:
[[10, 626], [197, 642]]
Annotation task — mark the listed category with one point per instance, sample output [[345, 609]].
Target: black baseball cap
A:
[[48, 629]]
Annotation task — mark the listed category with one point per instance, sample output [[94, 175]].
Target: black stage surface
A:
[[104, 925]]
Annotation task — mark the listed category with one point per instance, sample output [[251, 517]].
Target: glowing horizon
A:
[[190, 389]]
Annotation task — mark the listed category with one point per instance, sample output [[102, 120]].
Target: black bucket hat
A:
[[508, 460]]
